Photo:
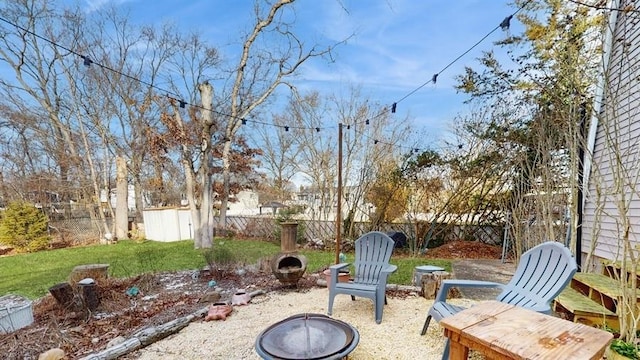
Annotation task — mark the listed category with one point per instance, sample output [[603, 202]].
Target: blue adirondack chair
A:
[[373, 251], [542, 273]]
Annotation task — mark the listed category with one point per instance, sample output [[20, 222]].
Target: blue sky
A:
[[397, 47]]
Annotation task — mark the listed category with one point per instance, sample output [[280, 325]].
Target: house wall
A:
[[246, 204], [612, 188]]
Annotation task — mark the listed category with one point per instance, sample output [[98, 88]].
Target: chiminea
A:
[[288, 266]]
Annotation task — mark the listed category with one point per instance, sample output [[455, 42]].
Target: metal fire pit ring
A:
[[307, 336]]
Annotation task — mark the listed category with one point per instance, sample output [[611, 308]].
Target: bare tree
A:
[[259, 71], [280, 156], [212, 125]]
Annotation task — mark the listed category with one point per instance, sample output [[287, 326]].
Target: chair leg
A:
[[330, 308], [445, 353], [379, 302], [426, 325]]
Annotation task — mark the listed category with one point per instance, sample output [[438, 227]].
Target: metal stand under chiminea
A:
[[288, 266]]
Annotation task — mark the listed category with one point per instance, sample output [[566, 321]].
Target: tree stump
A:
[[93, 271], [431, 283], [89, 294], [65, 296]]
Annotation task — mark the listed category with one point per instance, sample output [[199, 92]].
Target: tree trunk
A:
[[226, 179], [205, 224], [122, 195]]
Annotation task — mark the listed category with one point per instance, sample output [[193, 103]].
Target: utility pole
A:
[[339, 207]]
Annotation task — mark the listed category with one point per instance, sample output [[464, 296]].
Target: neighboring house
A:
[[318, 206], [611, 214], [244, 203], [113, 198]]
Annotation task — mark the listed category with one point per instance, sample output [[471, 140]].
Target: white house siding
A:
[[615, 166]]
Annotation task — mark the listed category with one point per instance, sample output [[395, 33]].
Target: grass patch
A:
[[32, 274]]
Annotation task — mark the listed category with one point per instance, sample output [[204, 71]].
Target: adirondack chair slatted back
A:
[[373, 252], [542, 273]]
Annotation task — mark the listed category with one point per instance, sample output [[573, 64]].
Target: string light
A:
[[504, 25], [464, 53], [505, 22], [86, 60]]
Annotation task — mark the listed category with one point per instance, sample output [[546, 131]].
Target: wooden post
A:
[[339, 195]]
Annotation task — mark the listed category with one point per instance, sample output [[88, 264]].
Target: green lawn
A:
[[31, 275]]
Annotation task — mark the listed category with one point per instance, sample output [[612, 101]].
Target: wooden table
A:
[[503, 331]]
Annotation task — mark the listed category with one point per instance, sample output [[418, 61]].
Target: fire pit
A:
[[307, 336]]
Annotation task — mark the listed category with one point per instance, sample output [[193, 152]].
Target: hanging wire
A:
[[504, 24], [87, 61]]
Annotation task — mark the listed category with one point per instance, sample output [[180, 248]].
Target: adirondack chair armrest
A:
[[448, 284], [390, 269], [384, 274], [542, 308], [338, 267], [335, 269]]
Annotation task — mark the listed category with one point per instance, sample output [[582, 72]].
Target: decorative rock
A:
[[210, 297], [240, 298], [52, 354], [132, 291], [218, 311]]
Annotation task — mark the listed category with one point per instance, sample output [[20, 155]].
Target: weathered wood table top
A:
[[504, 331]]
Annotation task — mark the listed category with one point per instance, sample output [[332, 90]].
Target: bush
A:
[[24, 227], [219, 258]]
